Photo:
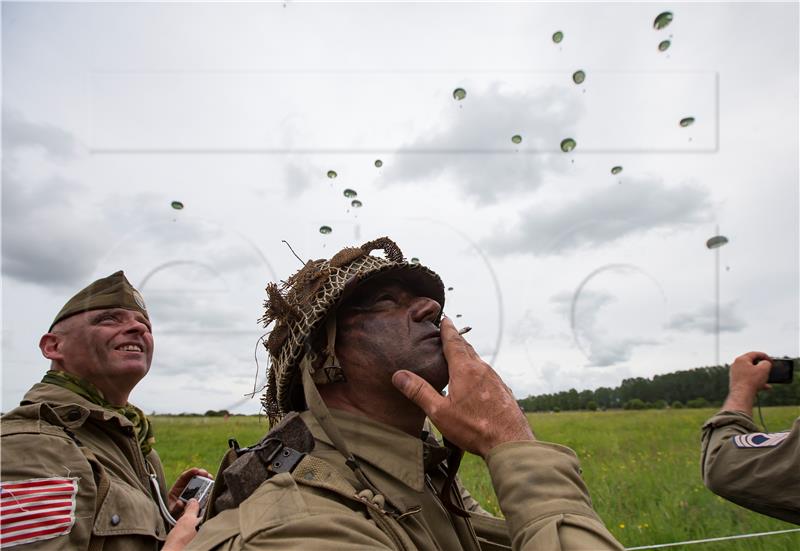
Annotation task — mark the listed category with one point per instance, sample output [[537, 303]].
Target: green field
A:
[[641, 468]]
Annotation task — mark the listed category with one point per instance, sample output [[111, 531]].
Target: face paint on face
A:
[[386, 326]]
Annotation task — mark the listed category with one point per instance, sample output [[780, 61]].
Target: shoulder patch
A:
[[36, 509], [760, 439]]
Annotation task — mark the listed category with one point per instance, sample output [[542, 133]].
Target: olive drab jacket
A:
[[321, 505], [760, 471], [89, 460]]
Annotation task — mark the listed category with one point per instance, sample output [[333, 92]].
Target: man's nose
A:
[[425, 309], [137, 326]]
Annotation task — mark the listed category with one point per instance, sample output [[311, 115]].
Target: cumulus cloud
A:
[[601, 216], [601, 347], [45, 239], [704, 320], [484, 162], [18, 132], [56, 231]]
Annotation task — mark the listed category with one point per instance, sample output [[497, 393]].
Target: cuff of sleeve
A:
[[534, 480]]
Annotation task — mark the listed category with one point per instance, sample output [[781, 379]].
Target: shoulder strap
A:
[[243, 470], [285, 448]]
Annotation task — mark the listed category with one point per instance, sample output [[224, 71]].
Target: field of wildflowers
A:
[[642, 469]]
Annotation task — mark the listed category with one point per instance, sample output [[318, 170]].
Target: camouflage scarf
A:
[[85, 389]]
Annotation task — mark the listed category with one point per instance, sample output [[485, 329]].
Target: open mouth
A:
[[129, 348]]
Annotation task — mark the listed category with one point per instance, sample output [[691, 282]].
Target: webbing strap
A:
[[323, 416], [330, 329]]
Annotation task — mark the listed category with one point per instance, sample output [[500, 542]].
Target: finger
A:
[[192, 508], [416, 389], [755, 356], [453, 345], [177, 508]]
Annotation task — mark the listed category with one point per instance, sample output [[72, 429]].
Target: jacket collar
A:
[[72, 410], [389, 452]]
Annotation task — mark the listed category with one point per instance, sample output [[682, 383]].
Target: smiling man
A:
[[78, 466], [359, 356]]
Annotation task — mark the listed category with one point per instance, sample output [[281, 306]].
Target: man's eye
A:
[[383, 297]]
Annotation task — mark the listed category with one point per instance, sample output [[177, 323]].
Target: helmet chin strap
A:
[[323, 416]]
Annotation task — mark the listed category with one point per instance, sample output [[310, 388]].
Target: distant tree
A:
[[604, 397], [709, 383], [677, 404], [660, 404], [217, 413], [634, 403], [697, 403], [584, 398], [591, 405]]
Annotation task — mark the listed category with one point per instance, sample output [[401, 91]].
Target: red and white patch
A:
[[36, 509]]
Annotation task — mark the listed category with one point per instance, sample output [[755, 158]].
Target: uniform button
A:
[[73, 415], [114, 520]]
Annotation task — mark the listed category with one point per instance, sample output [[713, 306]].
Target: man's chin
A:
[[437, 376], [132, 369]]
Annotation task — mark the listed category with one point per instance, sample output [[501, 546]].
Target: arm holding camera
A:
[[760, 471], [748, 375]]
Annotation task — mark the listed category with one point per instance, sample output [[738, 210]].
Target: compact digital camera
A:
[[782, 370], [199, 488]]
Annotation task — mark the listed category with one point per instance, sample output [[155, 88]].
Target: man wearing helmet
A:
[[359, 347]]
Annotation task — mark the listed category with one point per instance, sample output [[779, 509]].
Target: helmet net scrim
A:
[[299, 306]]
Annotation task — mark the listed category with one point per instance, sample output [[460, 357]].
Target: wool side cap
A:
[[114, 291]]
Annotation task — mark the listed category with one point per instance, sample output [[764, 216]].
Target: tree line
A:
[[698, 387]]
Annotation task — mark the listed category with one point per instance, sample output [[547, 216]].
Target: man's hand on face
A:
[[748, 375], [175, 505], [186, 528], [479, 411]]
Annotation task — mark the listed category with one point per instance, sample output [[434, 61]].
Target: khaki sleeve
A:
[[750, 468], [544, 498], [28, 455]]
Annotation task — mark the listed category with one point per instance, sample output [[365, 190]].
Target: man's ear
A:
[[50, 345]]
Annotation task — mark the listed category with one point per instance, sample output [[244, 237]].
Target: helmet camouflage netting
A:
[[301, 304]]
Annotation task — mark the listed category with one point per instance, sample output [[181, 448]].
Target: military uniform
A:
[[750, 468], [321, 504], [57, 435], [363, 484]]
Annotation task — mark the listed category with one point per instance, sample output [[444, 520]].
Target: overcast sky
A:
[[570, 276]]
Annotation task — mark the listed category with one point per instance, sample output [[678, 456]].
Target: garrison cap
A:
[[114, 291]]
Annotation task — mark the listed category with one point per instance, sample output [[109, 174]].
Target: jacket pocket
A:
[[127, 510]]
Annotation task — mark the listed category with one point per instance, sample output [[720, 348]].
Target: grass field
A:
[[641, 468]]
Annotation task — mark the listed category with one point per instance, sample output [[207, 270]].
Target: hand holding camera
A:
[[752, 372]]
